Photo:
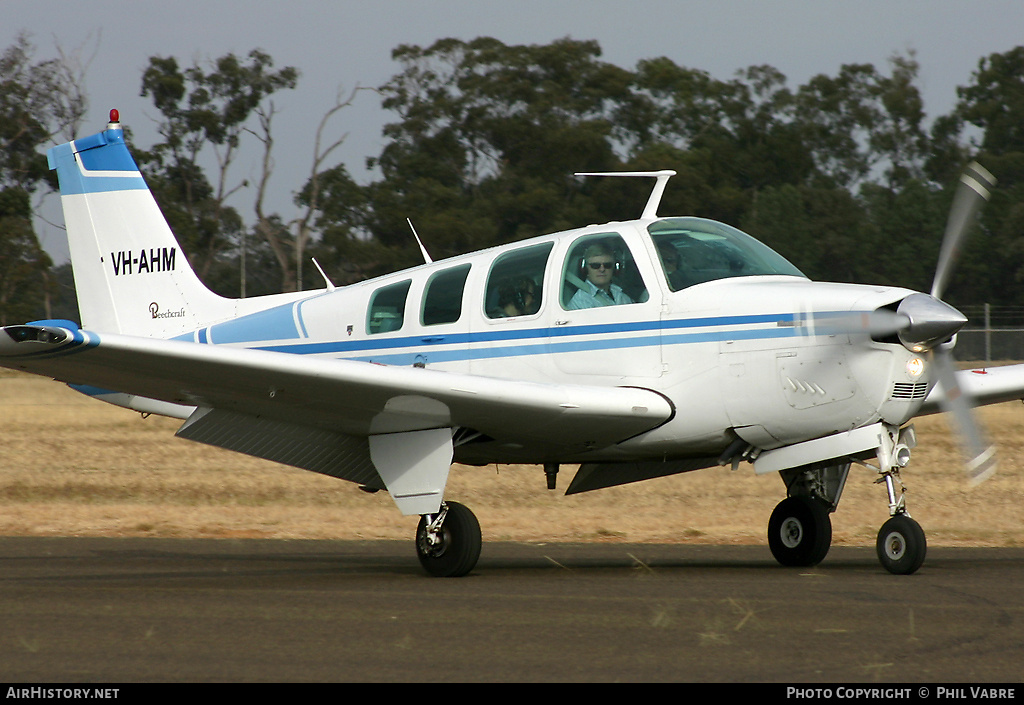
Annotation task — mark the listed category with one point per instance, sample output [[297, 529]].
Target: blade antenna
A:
[[330, 284], [662, 177], [423, 250]]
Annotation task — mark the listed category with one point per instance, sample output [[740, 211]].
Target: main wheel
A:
[[800, 531], [455, 549], [901, 545]]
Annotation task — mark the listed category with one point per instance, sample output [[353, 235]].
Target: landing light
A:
[[915, 367]]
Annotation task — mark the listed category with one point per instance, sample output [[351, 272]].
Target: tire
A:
[[800, 531], [901, 545], [459, 548]]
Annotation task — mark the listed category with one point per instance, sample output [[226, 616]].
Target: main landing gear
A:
[[448, 543], [800, 531]]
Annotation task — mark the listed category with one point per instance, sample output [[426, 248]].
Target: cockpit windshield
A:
[[694, 251]]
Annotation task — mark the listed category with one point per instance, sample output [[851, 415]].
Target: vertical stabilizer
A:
[[130, 274]]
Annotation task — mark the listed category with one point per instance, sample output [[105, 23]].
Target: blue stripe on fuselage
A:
[[438, 347], [590, 344], [434, 339]]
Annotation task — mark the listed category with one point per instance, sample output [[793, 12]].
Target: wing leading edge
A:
[[983, 386], [353, 398]]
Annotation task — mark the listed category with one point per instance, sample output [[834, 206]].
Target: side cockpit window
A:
[[600, 271], [514, 285], [387, 308]]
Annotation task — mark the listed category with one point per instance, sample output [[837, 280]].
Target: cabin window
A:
[[442, 302], [600, 271], [387, 308], [515, 284]]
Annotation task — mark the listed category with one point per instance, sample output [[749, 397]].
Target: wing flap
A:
[[596, 476], [319, 450]]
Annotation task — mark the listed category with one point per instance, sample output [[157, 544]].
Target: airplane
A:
[[635, 350]]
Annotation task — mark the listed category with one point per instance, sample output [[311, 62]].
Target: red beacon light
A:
[[115, 119]]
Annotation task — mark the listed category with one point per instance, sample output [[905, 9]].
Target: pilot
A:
[[516, 297], [599, 262]]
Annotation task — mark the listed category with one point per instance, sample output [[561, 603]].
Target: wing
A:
[[357, 399], [982, 386]]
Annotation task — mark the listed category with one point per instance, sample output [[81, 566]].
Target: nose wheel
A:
[[901, 545], [448, 543]]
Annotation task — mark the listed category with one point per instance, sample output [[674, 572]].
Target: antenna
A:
[[426, 257], [651, 209], [330, 284]]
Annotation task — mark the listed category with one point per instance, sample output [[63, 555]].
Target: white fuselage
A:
[[748, 355]]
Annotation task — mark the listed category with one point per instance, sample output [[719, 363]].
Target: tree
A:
[[23, 263], [488, 139], [300, 230], [39, 100], [205, 108], [994, 104]]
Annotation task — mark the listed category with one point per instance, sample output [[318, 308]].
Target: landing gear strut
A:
[[448, 543], [901, 545]]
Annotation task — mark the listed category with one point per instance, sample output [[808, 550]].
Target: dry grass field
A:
[[71, 466]]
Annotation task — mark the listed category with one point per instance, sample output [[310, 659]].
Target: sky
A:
[[341, 44]]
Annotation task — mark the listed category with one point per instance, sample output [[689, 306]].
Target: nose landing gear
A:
[[901, 545]]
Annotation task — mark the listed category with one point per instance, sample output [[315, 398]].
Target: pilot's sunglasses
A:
[[601, 265]]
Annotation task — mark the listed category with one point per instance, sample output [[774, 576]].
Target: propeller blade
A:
[[978, 452], [975, 187], [880, 323]]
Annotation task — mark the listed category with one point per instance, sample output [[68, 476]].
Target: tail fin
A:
[[130, 273]]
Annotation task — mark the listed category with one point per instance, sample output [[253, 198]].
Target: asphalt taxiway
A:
[[169, 610]]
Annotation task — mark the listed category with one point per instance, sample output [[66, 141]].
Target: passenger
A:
[[516, 297], [670, 261], [599, 262]]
